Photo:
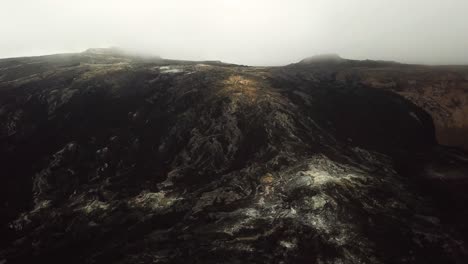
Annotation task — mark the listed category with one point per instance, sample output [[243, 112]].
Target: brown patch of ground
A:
[[242, 86]]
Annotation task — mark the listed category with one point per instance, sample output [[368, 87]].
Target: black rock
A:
[[117, 159]]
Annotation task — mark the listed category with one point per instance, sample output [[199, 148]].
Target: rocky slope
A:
[[111, 158], [442, 91]]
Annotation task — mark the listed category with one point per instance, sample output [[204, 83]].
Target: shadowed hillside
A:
[[442, 91]]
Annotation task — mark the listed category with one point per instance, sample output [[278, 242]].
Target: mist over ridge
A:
[[242, 32]]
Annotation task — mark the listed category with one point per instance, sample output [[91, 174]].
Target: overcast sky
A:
[[253, 32]]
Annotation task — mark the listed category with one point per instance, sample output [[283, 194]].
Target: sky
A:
[[250, 32]]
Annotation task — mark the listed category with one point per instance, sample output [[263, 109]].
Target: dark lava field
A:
[[111, 158]]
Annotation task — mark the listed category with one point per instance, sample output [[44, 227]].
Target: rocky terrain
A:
[[113, 158], [442, 91]]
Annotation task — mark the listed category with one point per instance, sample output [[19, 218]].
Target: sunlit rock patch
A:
[[101, 70], [94, 205], [242, 86], [152, 201], [170, 69]]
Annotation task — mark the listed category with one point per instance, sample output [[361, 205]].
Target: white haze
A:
[[264, 32]]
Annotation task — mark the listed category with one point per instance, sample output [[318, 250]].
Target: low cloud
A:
[[262, 32]]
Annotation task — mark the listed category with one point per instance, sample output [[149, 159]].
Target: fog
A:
[[262, 32]]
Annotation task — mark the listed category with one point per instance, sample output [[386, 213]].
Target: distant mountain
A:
[[106, 51], [329, 60], [109, 157], [323, 58]]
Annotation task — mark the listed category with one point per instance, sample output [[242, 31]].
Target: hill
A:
[[112, 158]]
